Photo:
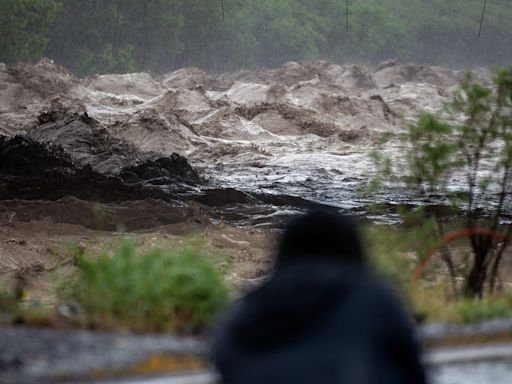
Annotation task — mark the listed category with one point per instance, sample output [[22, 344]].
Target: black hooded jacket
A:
[[317, 320]]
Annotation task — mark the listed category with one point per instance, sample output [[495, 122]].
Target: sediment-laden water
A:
[[265, 143]]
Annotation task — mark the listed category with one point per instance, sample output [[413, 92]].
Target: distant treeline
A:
[[99, 36]]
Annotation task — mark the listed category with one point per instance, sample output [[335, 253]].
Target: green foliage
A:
[[396, 250], [157, 289], [388, 258], [475, 127], [14, 309], [474, 311], [283, 31], [9, 305], [110, 60], [431, 161], [159, 35], [24, 28], [116, 35]]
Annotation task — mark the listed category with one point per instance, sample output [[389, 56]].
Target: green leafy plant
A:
[[156, 290], [15, 309], [9, 305], [24, 27], [472, 137], [392, 257], [392, 248], [109, 60], [474, 311]]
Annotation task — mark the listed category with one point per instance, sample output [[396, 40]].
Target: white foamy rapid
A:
[[303, 129]]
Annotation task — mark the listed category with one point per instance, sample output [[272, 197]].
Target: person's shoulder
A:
[[379, 298], [375, 286]]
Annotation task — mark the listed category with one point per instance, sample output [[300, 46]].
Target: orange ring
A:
[[467, 232]]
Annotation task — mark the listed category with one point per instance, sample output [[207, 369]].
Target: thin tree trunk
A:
[[497, 260], [447, 258], [476, 278]]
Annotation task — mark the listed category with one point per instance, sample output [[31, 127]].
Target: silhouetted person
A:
[[320, 318]]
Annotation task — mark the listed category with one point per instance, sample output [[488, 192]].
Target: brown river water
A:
[[291, 138]]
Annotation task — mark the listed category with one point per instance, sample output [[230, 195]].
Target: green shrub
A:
[[156, 290], [387, 259], [24, 27], [396, 250], [14, 309], [475, 310], [8, 303], [110, 60], [468, 137]]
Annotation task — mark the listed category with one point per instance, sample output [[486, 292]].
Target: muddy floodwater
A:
[[229, 156], [265, 143]]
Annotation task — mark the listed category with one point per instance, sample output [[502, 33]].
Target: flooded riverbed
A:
[[303, 130]]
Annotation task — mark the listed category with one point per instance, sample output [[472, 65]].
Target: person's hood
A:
[[291, 302]]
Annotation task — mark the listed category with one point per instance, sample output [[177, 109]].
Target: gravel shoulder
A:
[[36, 355]]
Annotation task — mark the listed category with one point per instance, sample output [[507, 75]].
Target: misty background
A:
[[102, 36]]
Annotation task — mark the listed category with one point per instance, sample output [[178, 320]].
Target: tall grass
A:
[[396, 250]]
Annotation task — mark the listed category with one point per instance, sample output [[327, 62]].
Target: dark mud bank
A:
[[71, 155], [30, 170]]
